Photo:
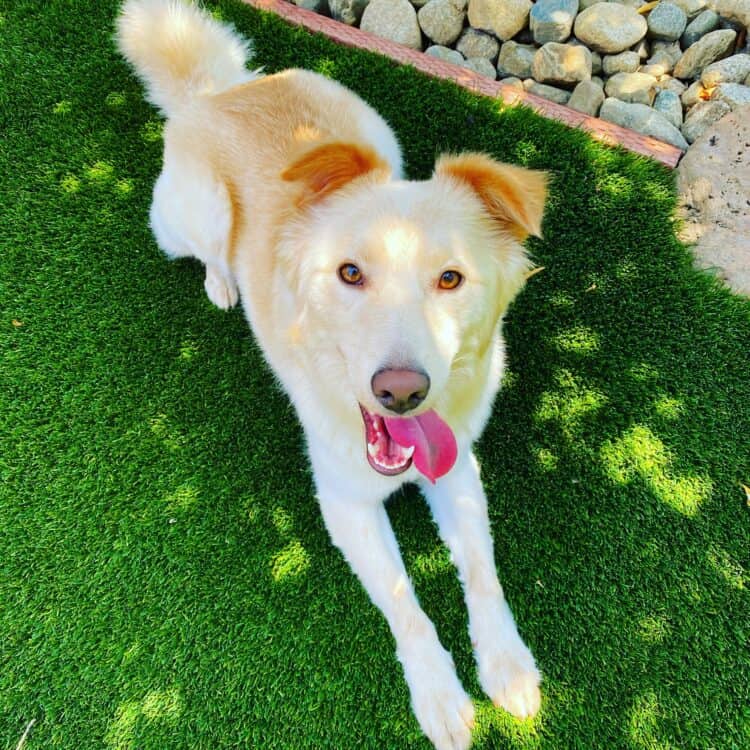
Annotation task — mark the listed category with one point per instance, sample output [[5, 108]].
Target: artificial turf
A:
[[165, 578]]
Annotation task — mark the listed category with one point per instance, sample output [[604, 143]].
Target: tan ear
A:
[[329, 167], [513, 196]]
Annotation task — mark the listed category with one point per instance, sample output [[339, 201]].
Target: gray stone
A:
[[552, 20], [642, 119], [513, 82], [561, 64], [583, 4], [666, 21], [515, 59], [596, 63], [734, 94], [347, 11], [694, 93], [704, 22], [546, 92], [701, 116], [747, 81], [446, 54], [667, 83], [732, 69], [712, 46], [665, 54], [317, 6], [481, 65], [691, 7], [442, 20], [587, 97], [610, 27], [732, 10], [505, 18], [395, 20], [642, 49], [669, 104], [714, 185], [632, 87], [474, 43], [624, 62]]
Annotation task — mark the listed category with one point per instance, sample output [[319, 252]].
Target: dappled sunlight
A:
[[188, 349], [569, 405], [728, 568], [668, 408], [577, 340], [654, 628], [151, 131], [282, 521], [183, 499], [326, 67], [115, 99], [70, 184], [290, 562], [171, 436], [639, 453], [63, 107], [546, 459], [644, 722], [492, 723], [561, 300], [433, 563], [156, 706], [100, 172], [643, 372], [615, 185], [123, 188], [132, 653], [526, 153]]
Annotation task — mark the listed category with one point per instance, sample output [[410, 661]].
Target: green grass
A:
[[165, 578]]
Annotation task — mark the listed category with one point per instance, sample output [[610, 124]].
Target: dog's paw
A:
[[221, 290], [510, 677], [442, 707]]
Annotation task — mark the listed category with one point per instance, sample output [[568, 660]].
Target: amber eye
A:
[[350, 274], [450, 280]]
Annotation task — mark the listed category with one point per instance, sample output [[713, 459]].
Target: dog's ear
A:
[[328, 167], [513, 196]]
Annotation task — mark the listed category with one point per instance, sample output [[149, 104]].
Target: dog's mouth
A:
[[393, 443]]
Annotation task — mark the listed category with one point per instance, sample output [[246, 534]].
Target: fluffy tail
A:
[[180, 52]]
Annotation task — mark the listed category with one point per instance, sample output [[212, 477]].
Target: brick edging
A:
[[601, 130]]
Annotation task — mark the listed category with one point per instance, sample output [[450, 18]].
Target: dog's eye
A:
[[350, 274], [450, 280]]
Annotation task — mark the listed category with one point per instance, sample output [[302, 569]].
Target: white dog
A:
[[377, 301]]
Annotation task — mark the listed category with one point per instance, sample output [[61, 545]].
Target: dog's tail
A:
[[180, 52]]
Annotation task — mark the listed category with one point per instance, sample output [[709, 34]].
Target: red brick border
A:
[[353, 37]]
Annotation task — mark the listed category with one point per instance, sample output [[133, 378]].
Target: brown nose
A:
[[400, 390]]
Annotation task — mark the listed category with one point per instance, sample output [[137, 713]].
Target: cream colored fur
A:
[[230, 195]]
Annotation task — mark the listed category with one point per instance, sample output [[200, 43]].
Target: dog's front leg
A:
[[359, 527], [507, 670]]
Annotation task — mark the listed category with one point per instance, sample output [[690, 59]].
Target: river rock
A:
[[552, 20], [446, 54], [562, 64], [704, 22], [733, 94], [624, 62], [505, 18], [515, 59], [711, 47], [393, 19], [701, 116], [587, 97], [442, 20], [669, 104], [481, 65], [632, 87], [642, 119], [667, 21], [546, 92], [475, 43], [732, 69], [610, 27]]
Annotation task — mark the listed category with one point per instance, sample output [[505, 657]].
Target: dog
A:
[[377, 301]]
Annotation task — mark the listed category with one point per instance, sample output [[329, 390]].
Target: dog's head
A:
[[399, 289]]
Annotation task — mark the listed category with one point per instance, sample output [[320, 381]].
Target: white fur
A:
[[220, 198]]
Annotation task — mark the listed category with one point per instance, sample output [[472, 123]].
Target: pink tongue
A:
[[434, 443]]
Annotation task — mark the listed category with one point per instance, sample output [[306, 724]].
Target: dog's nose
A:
[[400, 390]]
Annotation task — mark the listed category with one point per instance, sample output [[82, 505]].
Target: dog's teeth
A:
[[372, 450], [408, 453]]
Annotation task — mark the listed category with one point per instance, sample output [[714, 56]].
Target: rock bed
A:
[[668, 69]]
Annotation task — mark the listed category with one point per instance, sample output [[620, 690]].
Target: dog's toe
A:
[[512, 680], [221, 290]]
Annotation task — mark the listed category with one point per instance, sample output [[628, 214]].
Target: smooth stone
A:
[[637, 88], [691, 7], [733, 10], [515, 59], [505, 18], [624, 62], [669, 104], [704, 22], [546, 92], [347, 11], [667, 83], [317, 6], [481, 65], [665, 54], [446, 54], [693, 94], [596, 63], [552, 20], [513, 82], [561, 64], [702, 116], [706, 50], [587, 97], [610, 27], [667, 21], [475, 43], [732, 69], [442, 20], [395, 20], [642, 119], [734, 94]]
